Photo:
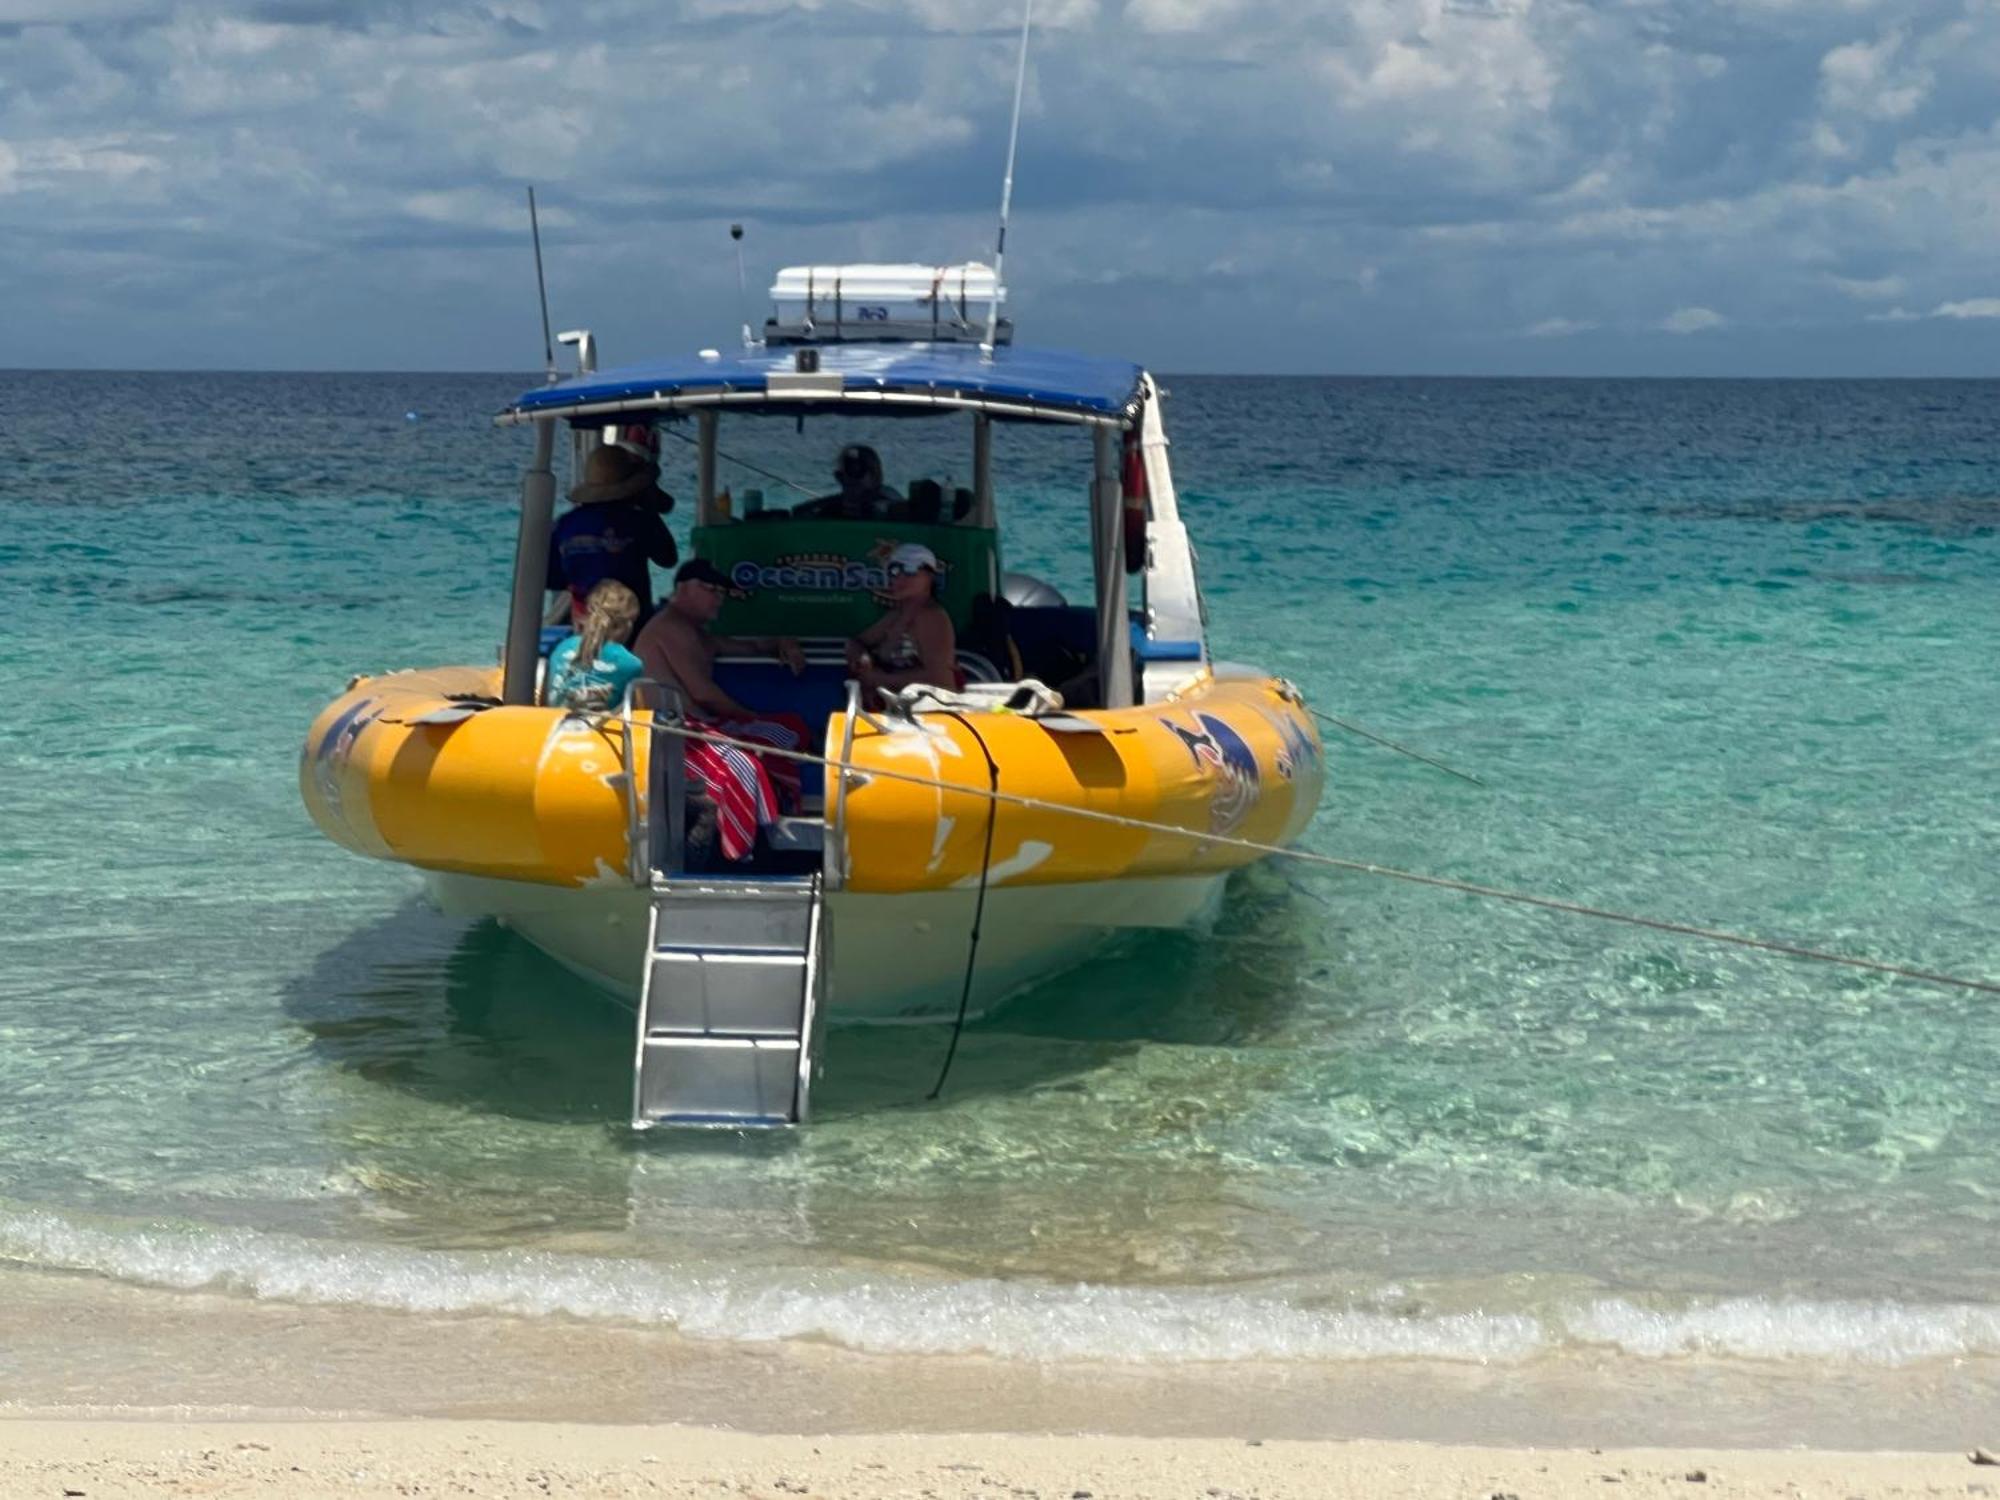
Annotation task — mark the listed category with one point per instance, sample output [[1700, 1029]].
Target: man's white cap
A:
[[914, 555]]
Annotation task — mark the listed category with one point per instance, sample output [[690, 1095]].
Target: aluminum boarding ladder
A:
[[729, 1010], [733, 999]]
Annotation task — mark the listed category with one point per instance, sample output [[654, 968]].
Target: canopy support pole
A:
[[982, 470], [531, 569], [1114, 630], [704, 504], [583, 441]]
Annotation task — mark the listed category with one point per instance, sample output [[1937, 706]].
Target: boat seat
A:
[[1054, 642], [762, 683], [797, 835], [1148, 649], [820, 690]]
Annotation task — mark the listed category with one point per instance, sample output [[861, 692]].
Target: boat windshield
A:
[[800, 471], [803, 519]]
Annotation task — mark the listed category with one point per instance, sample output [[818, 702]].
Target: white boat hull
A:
[[894, 957]]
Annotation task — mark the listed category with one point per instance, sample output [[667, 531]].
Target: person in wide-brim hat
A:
[[615, 473], [613, 531]]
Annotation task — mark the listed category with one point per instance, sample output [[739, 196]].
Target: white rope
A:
[[1358, 867], [1365, 734]]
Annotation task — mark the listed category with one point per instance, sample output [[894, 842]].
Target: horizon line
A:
[[537, 376]]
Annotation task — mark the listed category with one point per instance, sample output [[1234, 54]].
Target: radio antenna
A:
[[742, 287], [1007, 184], [542, 288]]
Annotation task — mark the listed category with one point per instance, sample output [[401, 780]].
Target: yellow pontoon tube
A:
[[401, 769]]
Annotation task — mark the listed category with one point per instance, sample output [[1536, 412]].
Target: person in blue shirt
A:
[[589, 672], [614, 530]]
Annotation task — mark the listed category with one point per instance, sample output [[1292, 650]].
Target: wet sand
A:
[[110, 1390]]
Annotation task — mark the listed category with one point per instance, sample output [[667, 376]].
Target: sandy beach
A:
[[116, 1391], [111, 1459]]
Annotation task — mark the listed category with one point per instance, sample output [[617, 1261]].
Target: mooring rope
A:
[[1353, 866], [1391, 744], [978, 906]]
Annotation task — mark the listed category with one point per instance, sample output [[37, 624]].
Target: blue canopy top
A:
[[1028, 384]]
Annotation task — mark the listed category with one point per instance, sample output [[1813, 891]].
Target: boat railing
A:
[[656, 807], [836, 803], [634, 819], [656, 830]]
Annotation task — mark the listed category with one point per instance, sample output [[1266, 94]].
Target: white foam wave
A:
[[1011, 1319], [1031, 1320], [1882, 1333]]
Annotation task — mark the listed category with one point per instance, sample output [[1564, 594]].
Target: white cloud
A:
[[359, 163], [70, 12], [481, 208], [1970, 308], [964, 16], [1692, 320], [1870, 289], [1860, 78], [1181, 15], [49, 160]]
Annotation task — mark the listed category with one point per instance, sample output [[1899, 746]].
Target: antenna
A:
[[742, 289], [1007, 184], [542, 287]]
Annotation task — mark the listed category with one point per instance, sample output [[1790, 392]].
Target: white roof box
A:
[[831, 304]]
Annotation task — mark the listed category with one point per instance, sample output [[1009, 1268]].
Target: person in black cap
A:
[[614, 530], [678, 647], [734, 792], [862, 495]]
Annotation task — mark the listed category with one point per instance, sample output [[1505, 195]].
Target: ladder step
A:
[[736, 994], [715, 1080], [754, 917], [797, 835]]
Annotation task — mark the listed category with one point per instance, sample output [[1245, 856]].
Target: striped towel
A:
[[747, 789]]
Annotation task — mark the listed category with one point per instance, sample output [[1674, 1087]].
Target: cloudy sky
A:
[[1440, 186]]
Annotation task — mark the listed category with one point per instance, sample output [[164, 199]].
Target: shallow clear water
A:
[[1722, 653]]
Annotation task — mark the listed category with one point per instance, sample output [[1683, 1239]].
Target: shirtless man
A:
[[678, 647]]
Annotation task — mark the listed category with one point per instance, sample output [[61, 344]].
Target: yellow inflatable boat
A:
[[525, 813], [949, 846]]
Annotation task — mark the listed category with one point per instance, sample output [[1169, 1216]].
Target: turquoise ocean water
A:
[[1723, 652]]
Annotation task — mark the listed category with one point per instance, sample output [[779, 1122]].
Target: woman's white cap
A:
[[914, 555]]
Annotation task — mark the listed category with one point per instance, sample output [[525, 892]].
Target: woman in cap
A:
[[589, 672], [614, 530], [914, 641]]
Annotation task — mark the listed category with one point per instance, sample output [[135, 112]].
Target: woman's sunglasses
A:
[[904, 570]]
